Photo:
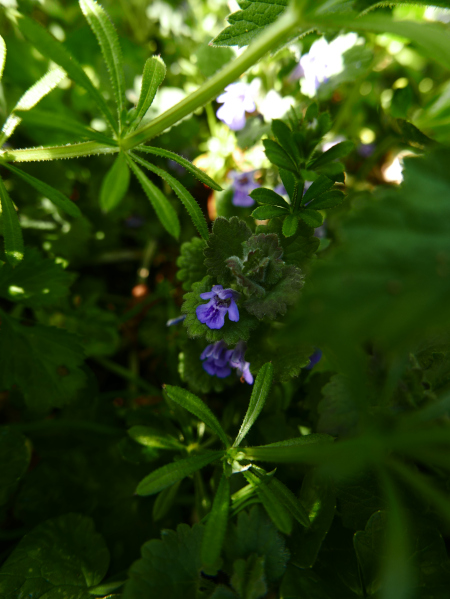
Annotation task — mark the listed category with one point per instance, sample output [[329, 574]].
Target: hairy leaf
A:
[[258, 398], [330, 199], [185, 196], [35, 281], [171, 473], [268, 196], [55, 196], [163, 208], [216, 525], [225, 241], [44, 362], [311, 217], [62, 557], [55, 51], [278, 156], [115, 184], [196, 406], [152, 77], [191, 168], [169, 568], [191, 262]]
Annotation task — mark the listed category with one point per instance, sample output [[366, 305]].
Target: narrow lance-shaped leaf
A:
[[115, 184], [171, 473], [191, 168], [330, 199], [260, 392], [106, 35], [189, 202], [310, 448], [290, 501], [48, 191], [12, 232], [311, 217], [62, 123], [145, 435], [152, 77], [196, 406], [55, 51], [284, 138], [273, 506], [30, 98], [160, 203], [263, 212], [216, 525], [2, 56], [278, 156]]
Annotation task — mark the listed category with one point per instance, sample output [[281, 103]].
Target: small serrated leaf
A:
[[311, 217], [12, 232], [160, 203], [171, 473], [108, 40], [337, 151], [115, 184], [329, 199], [319, 186], [284, 137], [190, 262], [278, 156], [265, 212]]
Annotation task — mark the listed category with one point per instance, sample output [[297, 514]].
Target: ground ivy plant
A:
[[224, 322]]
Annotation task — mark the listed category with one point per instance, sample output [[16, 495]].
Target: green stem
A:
[[129, 376], [275, 35], [54, 153]]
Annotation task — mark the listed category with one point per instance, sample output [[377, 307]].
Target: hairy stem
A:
[[275, 35]]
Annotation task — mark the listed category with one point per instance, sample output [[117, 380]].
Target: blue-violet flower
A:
[[313, 359], [216, 358], [237, 100], [237, 360], [220, 302], [243, 184]]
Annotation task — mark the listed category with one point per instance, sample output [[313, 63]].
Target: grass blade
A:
[[48, 191], [171, 473], [216, 525], [30, 98], [191, 168], [12, 232], [183, 194], [152, 77], [49, 47], [196, 406], [160, 203], [108, 40], [260, 392]]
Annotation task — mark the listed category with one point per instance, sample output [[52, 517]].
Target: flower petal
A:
[[233, 312], [207, 295]]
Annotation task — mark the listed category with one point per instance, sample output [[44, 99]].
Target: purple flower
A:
[[243, 184], [366, 150], [176, 320], [220, 302], [216, 358], [313, 359], [237, 361], [237, 100]]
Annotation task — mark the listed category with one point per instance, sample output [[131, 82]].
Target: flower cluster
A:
[[221, 302], [219, 360]]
